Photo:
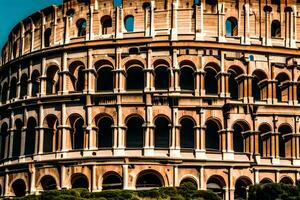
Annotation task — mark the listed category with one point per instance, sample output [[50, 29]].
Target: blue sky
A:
[[13, 11]]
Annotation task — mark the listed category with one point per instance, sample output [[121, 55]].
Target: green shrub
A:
[[155, 193], [177, 197], [207, 195]]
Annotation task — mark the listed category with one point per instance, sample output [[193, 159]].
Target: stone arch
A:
[[52, 79], [231, 27], [19, 187], [81, 25], [51, 135], [47, 37], [282, 87], [48, 182], [106, 25], [162, 74], [79, 180], [103, 61], [4, 94], [259, 85], [210, 78], [30, 136], [105, 125], [23, 84], [286, 180], [187, 132], [285, 140], [162, 132], [4, 138], [184, 61], [35, 75], [238, 128], [158, 61], [76, 69], [135, 131], [149, 179], [135, 78], [275, 29], [105, 75], [129, 23], [13, 88], [189, 179], [265, 181], [212, 138], [77, 132], [263, 148], [187, 76], [112, 180], [234, 71], [17, 136], [216, 184], [241, 187]]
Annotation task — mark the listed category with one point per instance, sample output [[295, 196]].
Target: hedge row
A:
[[185, 192]]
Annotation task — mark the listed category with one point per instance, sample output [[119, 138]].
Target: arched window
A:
[[197, 2], [287, 180], [48, 183], [275, 29], [162, 133], [211, 82], [19, 188], [79, 181], [35, 83], [4, 138], [231, 27], [149, 180], [135, 78], [17, 136], [162, 78], [275, 2], [30, 136], [190, 181], [285, 142], [50, 134], [112, 181], [146, 6], [282, 89], [13, 88], [241, 186], [47, 37], [52, 80], [129, 23], [212, 136], [118, 3], [23, 84], [70, 13], [77, 132], [105, 132], [187, 79], [238, 140], [234, 72], [4, 93], [259, 85], [76, 70], [187, 133], [106, 23], [15, 49], [266, 181], [135, 133], [263, 148], [216, 185], [81, 27], [105, 79]]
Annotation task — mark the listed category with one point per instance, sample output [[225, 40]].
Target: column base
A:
[[275, 161], [199, 36], [174, 152], [200, 154], [221, 39], [119, 152], [296, 162], [257, 158], [148, 151], [228, 155], [173, 34]]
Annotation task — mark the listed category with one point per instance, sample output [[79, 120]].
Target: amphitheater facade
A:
[[144, 94]]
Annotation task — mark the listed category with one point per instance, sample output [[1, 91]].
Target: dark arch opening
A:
[[211, 82], [187, 133], [146, 6], [23, 84], [17, 138], [216, 184], [105, 132], [118, 3], [112, 181], [257, 85], [50, 132], [275, 29], [148, 180], [284, 145], [78, 133], [162, 78], [162, 133], [287, 180], [70, 12], [264, 128], [81, 27], [187, 78], [265, 181], [76, 70], [135, 78], [105, 79], [241, 187], [52, 85], [48, 183], [135, 133], [233, 85], [4, 93], [4, 137], [238, 140], [80, 181], [47, 37], [212, 136], [129, 23], [35, 83], [13, 88], [106, 23], [19, 188], [231, 27], [189, 181], [281, 87], [30, 136]]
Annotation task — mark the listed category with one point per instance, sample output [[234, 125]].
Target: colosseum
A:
[[104, 94]]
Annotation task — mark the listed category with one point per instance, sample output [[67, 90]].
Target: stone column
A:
[[246, 39], [176, 71], [32, 173], [91, 22], [125, 177], [175, 135], [221, 22], [119, 22], [149, 132], [63, 75], [268, 40], [199, 21], [66, 31], [40, 135], [119, 149], [32, 35], [152, 26], [200, 151], [226, 140], [174, 20]]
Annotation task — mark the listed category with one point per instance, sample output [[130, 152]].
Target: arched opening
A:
[[189, 181], [216, 184], [30, 136], [285, 143], [187, 133], [162, 133], [77, 75], [282, 87], [118, 3], [135, 78], [187, 78], [129, 23], [259, 85], [135, 132], [52, 80], [81, 27], [13, 88], [263, 148], [275, 29], [17, 136], [105, 79], [211, 81], [106, 23], [146, 6], [4, 138], [149, 180], [19, 188], [80, 181], [23, 85], [287, 180], [47, 37], [15, 49], [50, 134], [4, 93], [234, 72], [197, 2], [162, 78], [266, 181], [105, 132], [112, 181], [212, 136], [77, 132], [241, 187], [48, 183], [35, 83], [231, 27], [70, 13], [238, 140]]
